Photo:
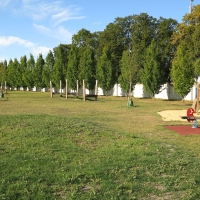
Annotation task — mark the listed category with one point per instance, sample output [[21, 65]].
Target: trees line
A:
[[136, 48]]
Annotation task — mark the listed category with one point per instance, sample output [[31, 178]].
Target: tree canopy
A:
[[131, 49], [186, 64], [152, 74]]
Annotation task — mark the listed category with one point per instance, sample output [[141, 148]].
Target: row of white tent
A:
[[167, 92]]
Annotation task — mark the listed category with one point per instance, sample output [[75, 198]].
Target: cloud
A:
[[67, 14], [64, 33], [36, 50], [11, 41], [60, 33], [53, 13], [56, 11], [42, 28], [4, 3]]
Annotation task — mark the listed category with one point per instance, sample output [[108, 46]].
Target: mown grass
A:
[[57, 148]]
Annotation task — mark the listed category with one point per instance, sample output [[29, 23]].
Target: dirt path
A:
[[173, 115]]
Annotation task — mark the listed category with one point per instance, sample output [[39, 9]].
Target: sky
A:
[[37, 26]]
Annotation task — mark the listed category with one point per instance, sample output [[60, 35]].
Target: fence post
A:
[[66, 89], [83, 90], [51, 90]]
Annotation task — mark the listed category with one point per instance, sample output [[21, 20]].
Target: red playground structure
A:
[[191, 118]]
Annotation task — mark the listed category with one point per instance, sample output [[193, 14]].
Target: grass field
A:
[[57, 148]]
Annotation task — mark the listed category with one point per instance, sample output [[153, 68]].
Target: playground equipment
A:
[[131, 103], [195, 104], [191, 118]]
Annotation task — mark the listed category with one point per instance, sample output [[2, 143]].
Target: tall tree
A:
[[82, 59], [73, 64], [37, 72], [28, 75], [113, 39], [10, 72], [182, 72], [129, 70], [188, 26], [60, 65], [143, 31], [104, 72], [188, 32], [18, 74], [14, 75], [152, 74], [164, 32], [87, 68], [23, 68], [195, 46], [48, 69], [3, 72]]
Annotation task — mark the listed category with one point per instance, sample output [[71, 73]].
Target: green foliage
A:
[[72, 69], [186, 63], [18, 71], [37, 72], [11, 74], [60, 65], [182, 72], [129, 70], [197, 67], [125, 78], [3, 72], [165, 30], [48, 69], [87, 69], [152, 74], [28, 76], [82, 59], [143, 31], [23, 68], [113, 40], [14, 75], [104, 72], [85, 57]]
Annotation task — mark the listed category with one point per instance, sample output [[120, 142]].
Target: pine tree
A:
[[60, 65], [23, 68], [72, 70], [48, 69], [37, 72]]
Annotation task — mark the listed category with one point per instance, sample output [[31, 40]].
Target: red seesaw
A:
[[191, 118]]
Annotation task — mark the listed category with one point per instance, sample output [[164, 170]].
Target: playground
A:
[[177, 116], [191, 115], [173, 115]]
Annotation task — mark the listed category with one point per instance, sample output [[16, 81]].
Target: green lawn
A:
[[57, 148]]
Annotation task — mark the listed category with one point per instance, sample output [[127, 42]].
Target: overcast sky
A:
[[36, 26]]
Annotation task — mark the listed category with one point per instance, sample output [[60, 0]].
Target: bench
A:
[[91, 95]]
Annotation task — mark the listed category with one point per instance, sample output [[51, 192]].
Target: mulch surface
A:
[[184, 130]]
